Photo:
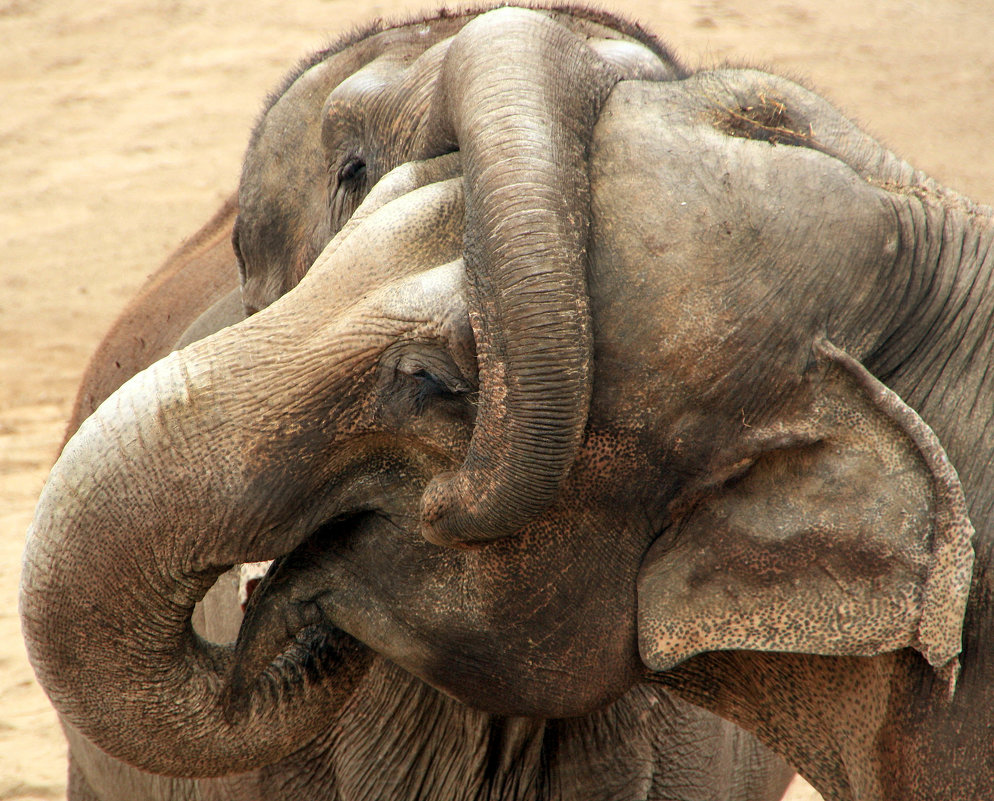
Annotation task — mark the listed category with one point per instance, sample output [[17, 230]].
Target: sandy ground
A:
[[122, 127]]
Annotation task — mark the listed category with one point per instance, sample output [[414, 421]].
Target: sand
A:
[[122, 128]]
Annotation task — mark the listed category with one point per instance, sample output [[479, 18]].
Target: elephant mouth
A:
[[288, 630]]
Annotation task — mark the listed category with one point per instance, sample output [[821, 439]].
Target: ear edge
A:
[[930, 615], [947, 585]]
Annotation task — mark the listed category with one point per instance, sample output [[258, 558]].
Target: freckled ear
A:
[[841, 529]]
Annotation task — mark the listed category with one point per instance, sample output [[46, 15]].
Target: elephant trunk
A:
[[235, 449], [523, 126], [144, 509]]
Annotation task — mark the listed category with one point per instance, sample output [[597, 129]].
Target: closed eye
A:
[[419, 379], [352, 171], [428, 386]]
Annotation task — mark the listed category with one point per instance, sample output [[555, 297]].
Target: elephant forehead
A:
[[373, 109], [722, 246], [395, 46], [364, 84], [287, 136], [411, 234]]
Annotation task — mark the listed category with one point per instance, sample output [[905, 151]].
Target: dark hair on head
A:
[[357, 34]]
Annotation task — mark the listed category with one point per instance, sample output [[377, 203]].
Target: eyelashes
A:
[[352, 171], [427, 387]]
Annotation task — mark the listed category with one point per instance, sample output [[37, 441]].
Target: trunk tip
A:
[[456, 513]]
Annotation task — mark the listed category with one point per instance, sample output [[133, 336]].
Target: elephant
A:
[[780, 509], [664, 745], [672, 748], [678, 748], [516, 91]]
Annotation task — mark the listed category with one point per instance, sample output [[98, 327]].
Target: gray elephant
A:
[[654, 744], [517, 92], [754, 519]]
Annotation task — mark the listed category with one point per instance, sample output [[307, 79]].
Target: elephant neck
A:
[[937, 352], [938, 359], [432, 747]]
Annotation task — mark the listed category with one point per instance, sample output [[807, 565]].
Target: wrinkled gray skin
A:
[[648, 745], [517, 92], [753, 518]]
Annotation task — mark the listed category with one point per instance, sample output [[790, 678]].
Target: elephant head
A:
[[745, 482], [517, 92], [412, 380]]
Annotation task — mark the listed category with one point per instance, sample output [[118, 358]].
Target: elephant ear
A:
[[840, 530]]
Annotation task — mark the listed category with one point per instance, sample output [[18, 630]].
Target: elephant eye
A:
[[428, 386], [352, 171]]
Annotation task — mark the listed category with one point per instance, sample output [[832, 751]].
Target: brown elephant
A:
[[648, 744], [759, 516], [517, 92]]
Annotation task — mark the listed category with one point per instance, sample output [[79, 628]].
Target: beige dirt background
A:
[[121, 130]]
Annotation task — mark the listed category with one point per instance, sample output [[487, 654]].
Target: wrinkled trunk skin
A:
[[217, 617], [158, 662], [523, 128], [94, 776], [157, 498]]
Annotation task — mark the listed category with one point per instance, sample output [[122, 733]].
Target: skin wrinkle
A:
[[498, 788], [442, 501], [934, 361], [957, 313], [849, 755], [892, 352], [968, 311]]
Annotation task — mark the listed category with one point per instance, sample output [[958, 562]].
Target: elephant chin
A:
[[290, 611]]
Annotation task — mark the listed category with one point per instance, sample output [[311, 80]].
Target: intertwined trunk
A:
[[142, 512], [219, 454], [523, 125]]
